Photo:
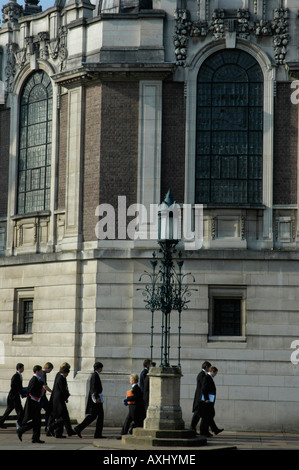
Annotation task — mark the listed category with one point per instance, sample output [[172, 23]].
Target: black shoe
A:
[[218, 431], [19, 433], [60, 437], [3, 426], [208, 434], [100, 437], [37, 441], [76, 430]]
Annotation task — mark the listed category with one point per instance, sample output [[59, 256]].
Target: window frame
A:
[[197, 58], [42, 172], [240, 184], [227, 292], [21, 297]]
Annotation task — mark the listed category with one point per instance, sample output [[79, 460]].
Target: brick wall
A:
[[4, 158], [111, 148], [91, 169], [119, 142], [285, 146], [173, 141]]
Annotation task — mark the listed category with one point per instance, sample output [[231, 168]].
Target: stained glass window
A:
[[35, 144], [229, 134]]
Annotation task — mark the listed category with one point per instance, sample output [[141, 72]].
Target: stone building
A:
[[103, 108]]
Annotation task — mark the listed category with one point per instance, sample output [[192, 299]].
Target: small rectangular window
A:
[[227, 317], [227, 313], [23, 313], [27, 308]]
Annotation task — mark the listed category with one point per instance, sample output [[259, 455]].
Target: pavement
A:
[[226, 441]]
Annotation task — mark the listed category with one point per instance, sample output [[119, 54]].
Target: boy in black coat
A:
[[14, 397], [94, 407], [32, 411], [209, 398], [59, 397], [136, 405], [197, 402]]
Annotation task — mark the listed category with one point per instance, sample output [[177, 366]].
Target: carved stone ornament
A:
[[183, 27], [39, 47], [11, 12], [239, 22], [11, 66]]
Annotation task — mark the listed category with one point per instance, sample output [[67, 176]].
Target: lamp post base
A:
[[164, 410], [153, 438]]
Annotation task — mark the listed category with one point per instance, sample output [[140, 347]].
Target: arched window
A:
[[229, 129], [34, 168]]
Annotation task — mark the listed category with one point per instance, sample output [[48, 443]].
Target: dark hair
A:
[[206, 365], [98, 365], [37, 368], [146, 362], [19, 365]]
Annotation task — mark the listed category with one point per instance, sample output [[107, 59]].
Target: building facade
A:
[[103, 108]]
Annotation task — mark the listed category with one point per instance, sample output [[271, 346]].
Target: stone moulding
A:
[[239, 23]]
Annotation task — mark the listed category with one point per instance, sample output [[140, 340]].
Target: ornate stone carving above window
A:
[[36, 47], [238, 22]]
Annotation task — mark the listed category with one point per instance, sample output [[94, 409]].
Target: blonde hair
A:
[[65, 367], [135, 378]]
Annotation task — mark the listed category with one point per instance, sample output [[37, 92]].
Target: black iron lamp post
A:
[[167, 290]]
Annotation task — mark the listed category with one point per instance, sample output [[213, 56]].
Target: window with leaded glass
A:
[[229, 133], [27, 316], [34, 170], [227, 317]]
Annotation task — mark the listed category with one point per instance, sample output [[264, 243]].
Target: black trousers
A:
[[207, 419], [46, 405], [56, 425], [13, 405], [133, 420], [32, 419], [195, 419], [99, 416]]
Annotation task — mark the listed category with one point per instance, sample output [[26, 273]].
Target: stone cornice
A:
[[99, 71]]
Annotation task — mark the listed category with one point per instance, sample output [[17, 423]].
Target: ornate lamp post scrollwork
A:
[[167, 289]]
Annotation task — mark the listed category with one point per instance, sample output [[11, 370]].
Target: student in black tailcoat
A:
[[208, 409], [197, 402], [134, 400], [14, 397], [32, 410], [144, 372], [94, 407], [59, 397], [44, 403]]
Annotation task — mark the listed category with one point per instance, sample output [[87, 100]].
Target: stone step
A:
[[164, 438], [163, 442]]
